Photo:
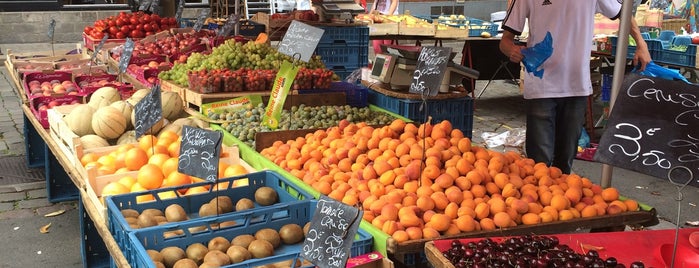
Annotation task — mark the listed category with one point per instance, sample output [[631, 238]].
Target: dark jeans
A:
[[553, 129]]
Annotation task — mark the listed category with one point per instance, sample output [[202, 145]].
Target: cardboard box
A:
[[369, 260]]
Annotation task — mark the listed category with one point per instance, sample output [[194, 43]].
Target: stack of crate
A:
[[344, 49]]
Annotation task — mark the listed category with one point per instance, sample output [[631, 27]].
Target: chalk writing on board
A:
[[429, 71], [331, 234], [652, 127], [199, 153], [300, 38], [149, 111], [125, 57]]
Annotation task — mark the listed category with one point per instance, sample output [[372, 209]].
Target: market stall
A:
[[366, 148]]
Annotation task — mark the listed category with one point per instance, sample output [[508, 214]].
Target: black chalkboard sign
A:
[[331, 234], [199, 153], [145, 5], [180, 8], [52, 29], [300, 38], [98, 48], [125, 57], [653, 127], [429, 71], [149, 111], [200, 19], [227, 28]]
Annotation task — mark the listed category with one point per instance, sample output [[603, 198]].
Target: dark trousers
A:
[[553, 128]]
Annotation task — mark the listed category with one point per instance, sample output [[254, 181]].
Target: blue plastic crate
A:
[[59, 186], [341, 35], [189, 22], [93, 250], [476, 27], [34, 146], [286, 190], [678, 58], [458, 111], [606, 87], [356, 94], [247, 222], [655, 47], [347, 57]]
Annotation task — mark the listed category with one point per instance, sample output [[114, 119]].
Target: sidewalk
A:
[[23, 205]]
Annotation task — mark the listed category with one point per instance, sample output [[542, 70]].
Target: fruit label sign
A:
[[300, 39], [145, 5], [430, 70], [180, 8], [199, 153], [282, 84], [200, 19], [52, 29], [331, 234], [227, 28], [125, 57], [653, 127], [149, 111], [99, 47]]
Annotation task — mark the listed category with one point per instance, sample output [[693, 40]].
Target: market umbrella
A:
[[619, 69]]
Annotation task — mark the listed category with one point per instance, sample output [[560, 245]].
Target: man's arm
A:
[[509, 48], [642, 55]]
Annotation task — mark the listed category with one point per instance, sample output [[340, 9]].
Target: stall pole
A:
[[619, 70]]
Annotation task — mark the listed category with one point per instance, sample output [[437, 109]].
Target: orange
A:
[[150, 176], [169, 166], [158, 159], [114, 188], [174, 149], [234, 170], [88, 158], [196, 190], [135, 159], [141, 198], [168, 135], [127, 181], [146, 142], [176, 179]]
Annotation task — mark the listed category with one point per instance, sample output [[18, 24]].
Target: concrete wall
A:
[[32, 27]]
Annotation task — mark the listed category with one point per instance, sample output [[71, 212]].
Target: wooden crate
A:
[[450, 32], [416, 29], [435, 257], [59, 131], [94, 183], [381, 29]]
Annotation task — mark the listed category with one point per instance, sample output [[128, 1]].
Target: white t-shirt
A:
[[571, 23]]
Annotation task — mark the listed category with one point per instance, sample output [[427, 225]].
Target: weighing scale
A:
[[341, 9], [395, 67]]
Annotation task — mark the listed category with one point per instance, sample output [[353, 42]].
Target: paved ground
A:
[[23, 201]]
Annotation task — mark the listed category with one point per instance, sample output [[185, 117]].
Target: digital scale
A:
[[396, 66], [341, 9]]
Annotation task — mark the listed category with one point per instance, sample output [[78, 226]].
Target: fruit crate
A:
[[655, 48], [678, 58], [93, 250], [40, 105], [59, 186], [287, 192], [459, 111], [247, 222], [476, 27], [344, 56], [341, 35], [356, 95], [65, 79], [103, 80], [34, 146]]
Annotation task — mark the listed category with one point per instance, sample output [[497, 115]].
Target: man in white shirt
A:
[[556, 102]]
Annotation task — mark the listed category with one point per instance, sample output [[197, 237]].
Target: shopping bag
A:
[[654, 70], [536, 55]]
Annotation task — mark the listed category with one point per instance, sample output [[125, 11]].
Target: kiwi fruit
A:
[[261, 249], [154, 255], [134, 226], [238, 254], [160, 219], [217, 257], [208, 210], [219, 243], [153, 212], [131, 220], [159, 264], [171, 255], [129, 213], [196, 252], [185, 263], [224, 203], [146, 220], [306, 227], [175, 213], [226, 224], [266, 196], [271, 235], [209, 265], [242, 240], [197, 229], [243, 204], [291, 233]]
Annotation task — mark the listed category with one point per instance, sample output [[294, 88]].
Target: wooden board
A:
[[67, 141], [450, 32], [416, 29], [435, 257], [381, 29]]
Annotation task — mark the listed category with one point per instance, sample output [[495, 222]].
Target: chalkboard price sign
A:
[[99, 47], [227, 28], [125, 57], [52, 29], [300, 38], [331, 233], [653, 127], [200, 19], [429, 72], [149, 111], [145, 5], [199, 153]]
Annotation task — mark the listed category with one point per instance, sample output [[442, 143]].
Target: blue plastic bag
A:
[[536, 55], [654, 70]]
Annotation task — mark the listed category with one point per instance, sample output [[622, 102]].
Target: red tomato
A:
[[136, 34], [100, 23], [695, 39], [145, 18], [97, 34], [133, 20], [88, 29], [147, 27], [155, 17], [164, 21], [120, 22], [172, 21], [139, 27], [111, 22], [113, 30], [155, 27], [120, 35]]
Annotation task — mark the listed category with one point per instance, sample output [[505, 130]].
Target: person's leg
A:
[[377, 45], [540, 126], [569, 122]]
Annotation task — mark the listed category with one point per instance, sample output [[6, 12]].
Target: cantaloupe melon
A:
[[125, 108], [172, 104], [127, 137], [138, 95], [93, 141], [108, 122], [79, 120], [104, 96]]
